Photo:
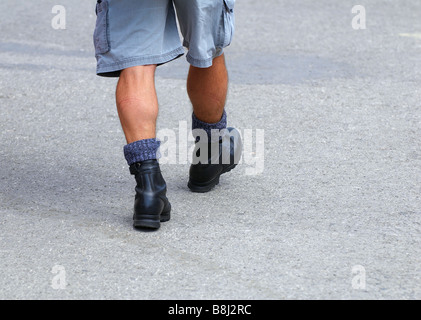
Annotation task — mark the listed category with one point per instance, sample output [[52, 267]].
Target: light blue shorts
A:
[[132, 33]]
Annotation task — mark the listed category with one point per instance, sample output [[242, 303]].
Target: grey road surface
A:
[[334, 214]]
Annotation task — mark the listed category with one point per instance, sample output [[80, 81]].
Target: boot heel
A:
[[147, 221], [202, 188]]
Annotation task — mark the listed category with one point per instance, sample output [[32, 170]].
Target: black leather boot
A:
[[222, 157], [151, 205]]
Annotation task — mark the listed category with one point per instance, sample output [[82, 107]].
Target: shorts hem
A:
[[203, 63], [114, 69]]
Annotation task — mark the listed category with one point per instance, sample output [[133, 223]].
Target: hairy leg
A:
[[207, 89]]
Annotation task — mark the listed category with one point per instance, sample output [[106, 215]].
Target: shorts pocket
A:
[[101, 42], [228, 21]]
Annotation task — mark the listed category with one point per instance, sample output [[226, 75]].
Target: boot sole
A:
[[150, 221], [208, 186]]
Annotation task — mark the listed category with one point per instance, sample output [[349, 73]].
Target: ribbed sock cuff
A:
[[208, 127], [138, 151]]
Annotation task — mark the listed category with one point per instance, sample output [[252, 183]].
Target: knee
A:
[[138, 73], [136, 81]]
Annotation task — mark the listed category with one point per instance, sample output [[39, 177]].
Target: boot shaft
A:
[[148, 177], [151, 205]]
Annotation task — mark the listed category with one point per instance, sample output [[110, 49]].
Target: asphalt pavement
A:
[[331, 209]]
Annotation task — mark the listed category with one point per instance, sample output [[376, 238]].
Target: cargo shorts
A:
[[132, 33]]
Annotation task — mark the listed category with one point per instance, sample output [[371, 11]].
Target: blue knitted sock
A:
[[208, 127], [138, 151]]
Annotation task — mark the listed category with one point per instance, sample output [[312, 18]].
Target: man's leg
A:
[[207, 89], [131, 38], [207, 27], [137, 106], [137, 103]]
